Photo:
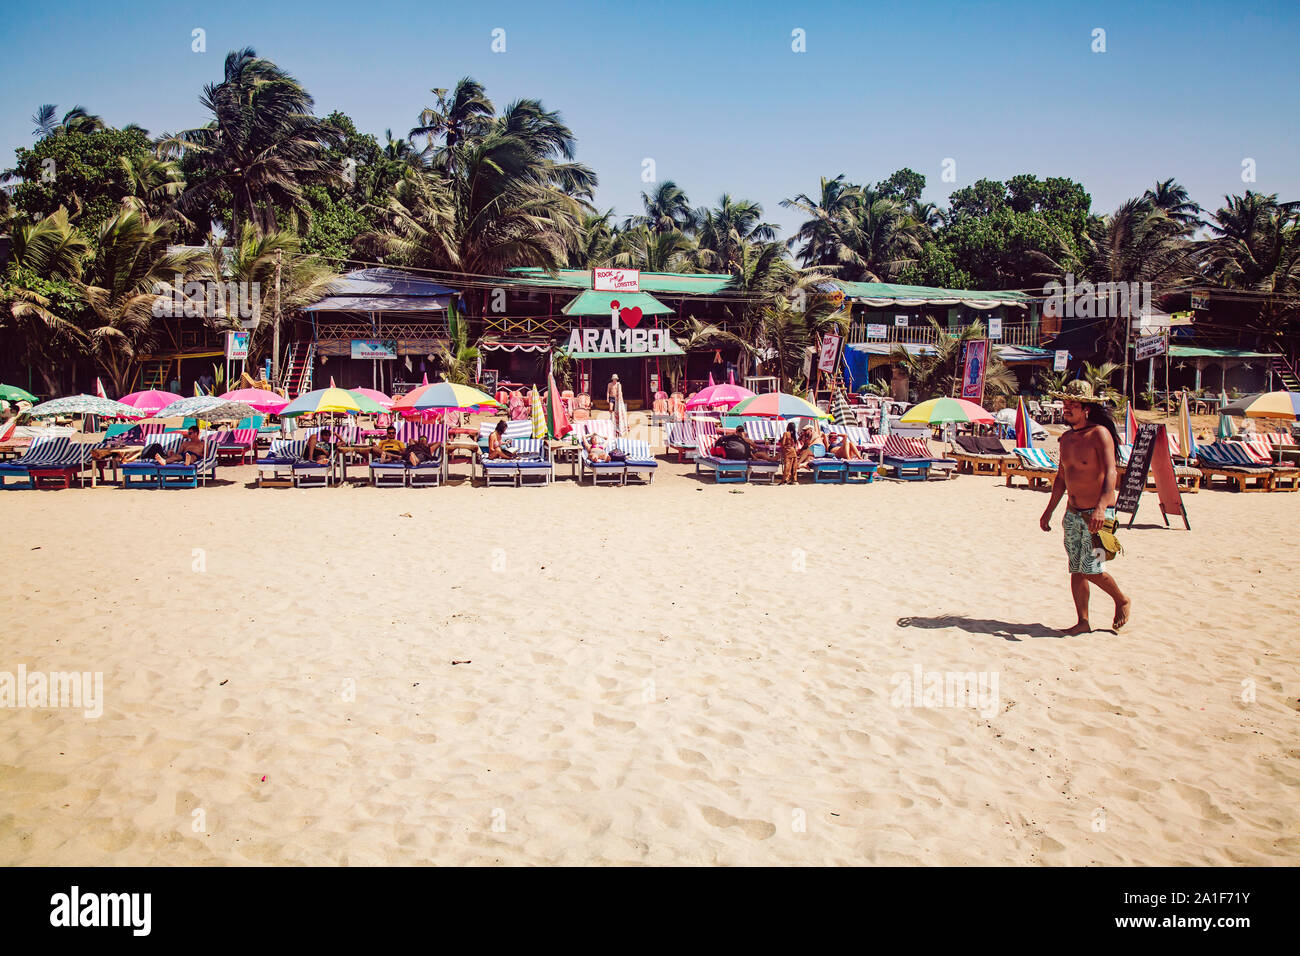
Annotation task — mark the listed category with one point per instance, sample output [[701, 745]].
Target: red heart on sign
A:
[[631, 317]]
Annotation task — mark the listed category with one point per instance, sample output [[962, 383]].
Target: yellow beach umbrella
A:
[[322, 401], [539, 414]]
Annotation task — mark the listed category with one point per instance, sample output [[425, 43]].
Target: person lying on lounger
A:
[[495, 447], [319, 447], [841, 446], [190, 451], [390, 449], [596, 450]]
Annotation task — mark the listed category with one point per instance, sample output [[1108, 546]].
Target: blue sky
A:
[[715, 95]]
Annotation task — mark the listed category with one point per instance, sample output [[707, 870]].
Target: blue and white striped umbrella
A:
[[85, 405]]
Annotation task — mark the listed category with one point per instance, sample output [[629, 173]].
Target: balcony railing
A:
[[1019, 333]]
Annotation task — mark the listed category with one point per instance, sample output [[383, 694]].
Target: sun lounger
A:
[[189, 476], [981, 454], [639, 463], [1035, 465], [279, 461], [532, 466], [684, 437], [1232, 462], [237, 445], [724, 469], [863, 470], [427, 474], [906, 459], [42, 451], [517, 430]]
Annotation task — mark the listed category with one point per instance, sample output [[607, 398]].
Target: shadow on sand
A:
[[974, 625]]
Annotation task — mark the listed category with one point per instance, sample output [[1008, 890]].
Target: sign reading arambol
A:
[[631, 341], [616, 280]]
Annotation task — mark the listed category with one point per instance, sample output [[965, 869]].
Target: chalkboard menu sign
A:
[[1139, 463]]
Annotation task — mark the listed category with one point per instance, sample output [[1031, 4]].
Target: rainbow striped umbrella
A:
[[939, 411], [444, 395], [778, 405], [323, 401]]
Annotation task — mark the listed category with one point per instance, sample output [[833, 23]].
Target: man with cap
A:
[[1088, 478]]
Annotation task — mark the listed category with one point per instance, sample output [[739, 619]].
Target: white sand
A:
[[672, 674]]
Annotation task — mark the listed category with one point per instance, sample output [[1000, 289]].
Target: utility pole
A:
[[1128, 328], [275, 332]]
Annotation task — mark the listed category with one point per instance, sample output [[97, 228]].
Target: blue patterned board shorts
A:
[[1084, 558]]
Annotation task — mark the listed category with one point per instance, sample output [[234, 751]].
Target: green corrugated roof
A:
[[1191, 351], [598, 303], [700, 283], [889, 290]]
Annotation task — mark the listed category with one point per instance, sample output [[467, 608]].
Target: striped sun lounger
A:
[[41, 452], [1035, 465], [533, 465], [279, 461], [1231, 461], [724, 469]]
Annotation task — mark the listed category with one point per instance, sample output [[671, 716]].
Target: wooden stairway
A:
[[1285, 373]]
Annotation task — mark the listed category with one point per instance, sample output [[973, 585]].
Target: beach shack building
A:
[[645, 339], [376, 327], [886, 316]]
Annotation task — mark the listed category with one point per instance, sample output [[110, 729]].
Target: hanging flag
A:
[[1130, 425]]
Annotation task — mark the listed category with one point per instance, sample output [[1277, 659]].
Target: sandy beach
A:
[[678, 674]]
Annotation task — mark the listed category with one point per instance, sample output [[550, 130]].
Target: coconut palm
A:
[[152, 185], [130, 267], [596, 242], [1101, 377], [261, 147], [819, 233], [726, 230], [75, 120], [459, 359], [642, 248], [44, 257], [465, 114], [666, 210], [1174, 201]]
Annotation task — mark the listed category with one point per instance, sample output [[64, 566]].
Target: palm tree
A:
[[45, 257], [642, 248], [131, 265], [1100, 377], [459, 359], [666, 210], [938, 373], [1175, 202], [596, 242], [75, 120], [819, 234], [261, 147], [1255, 246], [726, 230], [152, 186], [464, 115]]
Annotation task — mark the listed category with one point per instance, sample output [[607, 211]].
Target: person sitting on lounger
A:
[[190, 451], [390, 449], [739, 447], [319, 447], [841, 446], [812, 444], [496, 449], [595, 446], [418, 452]]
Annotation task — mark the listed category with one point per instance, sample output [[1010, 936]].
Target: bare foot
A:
[[1083, 627], [1121, 613]]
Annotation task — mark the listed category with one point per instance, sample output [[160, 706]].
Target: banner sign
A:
[[237, 345], [995, 327], [1062, 360], [900, 321], [374, 349], [877, 331], [616, 280], [972, 381], [830, 352], [1151, 446], [1149, 346], [630, 341], [1200, 301]]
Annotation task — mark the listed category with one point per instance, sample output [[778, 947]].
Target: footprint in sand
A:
[[602, 721], [754, 829]]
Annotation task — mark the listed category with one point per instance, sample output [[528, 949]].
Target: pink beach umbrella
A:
[[150, 401], [719, 396], [267, 403]]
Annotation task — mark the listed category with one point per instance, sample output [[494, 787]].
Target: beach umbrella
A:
[[12, 393], [1227, 427], [1266, 405], [557, 419], [1186, 438], [322, 401], [99, 388], [85, 405], [150, 401], [210, 408], [444, 395], [939, 411], [265, 401], [778, 405], [1130, 425], [536, 413], [719, 396], [1024, 429], [841, 410], [376, 396]]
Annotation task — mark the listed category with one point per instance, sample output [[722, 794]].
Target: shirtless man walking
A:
[[1087, 476]]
